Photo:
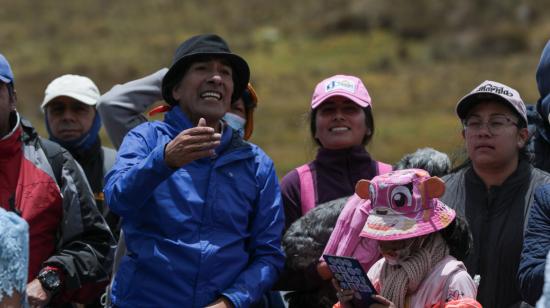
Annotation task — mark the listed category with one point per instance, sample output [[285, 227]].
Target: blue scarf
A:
[[82, 143]]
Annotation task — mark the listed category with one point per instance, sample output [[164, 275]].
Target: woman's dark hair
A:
[[458, 237], [369, 122], [435, 162]]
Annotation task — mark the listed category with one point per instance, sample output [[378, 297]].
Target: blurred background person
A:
[[241, 115], [342, 125], [72, 121], [435, 162], [494, 188]]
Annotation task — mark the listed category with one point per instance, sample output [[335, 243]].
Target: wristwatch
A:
[[50, 280]]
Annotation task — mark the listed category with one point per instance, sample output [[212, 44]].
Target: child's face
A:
[[399, 250]]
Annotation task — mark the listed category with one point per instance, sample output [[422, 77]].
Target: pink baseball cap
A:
[[404, 204], [341, 85]]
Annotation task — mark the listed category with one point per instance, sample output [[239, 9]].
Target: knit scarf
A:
[[397, 281]]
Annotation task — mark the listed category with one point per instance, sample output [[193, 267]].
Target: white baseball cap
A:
[[81, 88], [492, 90]]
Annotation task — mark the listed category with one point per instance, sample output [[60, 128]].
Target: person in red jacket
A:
[[70, 243]]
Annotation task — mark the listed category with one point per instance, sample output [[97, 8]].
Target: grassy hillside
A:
[[417, 58]]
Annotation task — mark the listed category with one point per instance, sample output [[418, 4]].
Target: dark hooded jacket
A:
[[542, 135], [537, 234]]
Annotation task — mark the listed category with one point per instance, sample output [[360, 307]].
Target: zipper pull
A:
[[11, 203]]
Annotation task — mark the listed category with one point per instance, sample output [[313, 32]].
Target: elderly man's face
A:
[[68, 118], [205, 90], [7, 105]]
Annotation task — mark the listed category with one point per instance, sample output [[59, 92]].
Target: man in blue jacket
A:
[[201, 209]]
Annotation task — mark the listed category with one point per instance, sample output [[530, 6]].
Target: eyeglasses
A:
[[496, 124]]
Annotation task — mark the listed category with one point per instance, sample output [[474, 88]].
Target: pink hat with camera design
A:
[[405, 205]]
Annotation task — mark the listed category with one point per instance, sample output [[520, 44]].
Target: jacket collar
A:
[[11, 143], [518, 177], [177, 121], [14, 124], [84, 155], [349, 157]]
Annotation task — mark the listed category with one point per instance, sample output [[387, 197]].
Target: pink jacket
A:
[[447, 281], [345, 239]]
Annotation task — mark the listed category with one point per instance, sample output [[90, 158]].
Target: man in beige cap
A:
[[73, 122]]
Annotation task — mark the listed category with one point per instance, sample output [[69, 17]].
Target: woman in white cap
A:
[[494, 188], [420, 239], [341, 124]]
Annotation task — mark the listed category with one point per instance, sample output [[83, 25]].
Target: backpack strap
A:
[[538, 178], [307, 189], [109, 156], [383, 168], [54, 153]]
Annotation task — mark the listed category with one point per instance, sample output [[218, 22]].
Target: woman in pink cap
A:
[[341, 124], [420, 239]]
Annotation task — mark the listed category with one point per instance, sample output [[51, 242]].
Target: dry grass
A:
[[414, 82]]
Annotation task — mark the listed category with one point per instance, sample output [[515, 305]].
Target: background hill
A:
[[417, 58]]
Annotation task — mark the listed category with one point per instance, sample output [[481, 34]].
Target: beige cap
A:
[[81, 88]]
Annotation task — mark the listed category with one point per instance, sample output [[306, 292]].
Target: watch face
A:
[[50, 280]]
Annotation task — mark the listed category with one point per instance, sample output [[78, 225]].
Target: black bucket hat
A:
[[200, 46]]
